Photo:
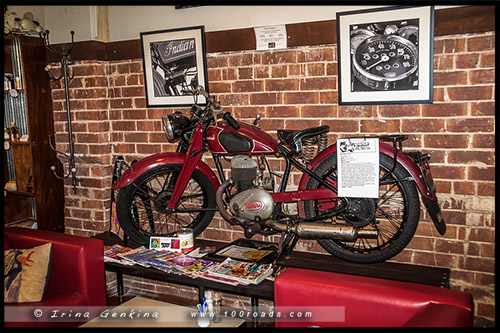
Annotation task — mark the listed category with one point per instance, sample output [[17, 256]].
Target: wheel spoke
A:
[[388, 197], [191, 196], [396, 223], [147, 201], [384, 232], [145, 193]]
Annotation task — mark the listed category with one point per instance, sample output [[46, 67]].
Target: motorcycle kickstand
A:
[[285, 248]]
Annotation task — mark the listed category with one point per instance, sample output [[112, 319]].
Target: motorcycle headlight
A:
[[173, 125]]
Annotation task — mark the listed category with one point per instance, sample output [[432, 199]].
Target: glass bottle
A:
[[6, 138], [14, 132], [210, 306], [217, 307]]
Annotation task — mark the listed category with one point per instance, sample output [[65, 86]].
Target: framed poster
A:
[[173, 61], [385, 56]]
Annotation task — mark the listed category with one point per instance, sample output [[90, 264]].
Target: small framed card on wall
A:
[[385, 56], [174, 60]]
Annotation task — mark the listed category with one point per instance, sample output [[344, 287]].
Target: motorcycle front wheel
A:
[[141, 207], [394, 214]]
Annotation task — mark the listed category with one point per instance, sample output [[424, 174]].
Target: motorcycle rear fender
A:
[[428, 196], [384, 148], [157, 160]]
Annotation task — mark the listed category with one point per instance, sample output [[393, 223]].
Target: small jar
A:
[[217, 307], [6, 138], [14, 132]]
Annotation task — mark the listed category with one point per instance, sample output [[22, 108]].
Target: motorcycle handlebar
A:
[[199, 90], [195, 91], [215, 106], [231, 121]]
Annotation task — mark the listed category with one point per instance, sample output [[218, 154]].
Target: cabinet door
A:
[[23, 166], [7, 57], [16, 207]]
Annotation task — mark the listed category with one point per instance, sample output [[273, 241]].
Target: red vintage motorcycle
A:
[[168, 191]]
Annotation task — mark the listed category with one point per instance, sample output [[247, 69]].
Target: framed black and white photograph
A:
[[385, 56], [174, 60]]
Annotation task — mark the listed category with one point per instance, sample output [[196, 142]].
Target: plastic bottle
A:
[[217, 307], [14, 132], [18, 82]]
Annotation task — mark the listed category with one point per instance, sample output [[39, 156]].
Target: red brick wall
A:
[[297, 88]]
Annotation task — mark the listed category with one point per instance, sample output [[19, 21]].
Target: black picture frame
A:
[[385, 56], [174, 59]]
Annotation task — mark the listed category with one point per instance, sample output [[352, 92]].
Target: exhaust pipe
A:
[[305, 230], [320, 230]]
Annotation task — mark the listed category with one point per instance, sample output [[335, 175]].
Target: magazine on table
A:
[[190, 265], [248, 250], [138, 255], [244, 253], [202, 251], [205, 274], [111, 254], [179, 263], [164, 263], [242, 271]]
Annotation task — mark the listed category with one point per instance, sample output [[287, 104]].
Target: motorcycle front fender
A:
[[157, 160]]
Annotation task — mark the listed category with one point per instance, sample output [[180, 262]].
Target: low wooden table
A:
[[434, 276], [140, 312]]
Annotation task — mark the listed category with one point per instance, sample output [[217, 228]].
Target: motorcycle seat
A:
[[293, 138]]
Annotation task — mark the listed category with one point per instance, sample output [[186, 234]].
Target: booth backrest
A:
[[341, 300], [77, 263]]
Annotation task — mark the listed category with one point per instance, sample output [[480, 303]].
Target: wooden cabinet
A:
[[39, 193]]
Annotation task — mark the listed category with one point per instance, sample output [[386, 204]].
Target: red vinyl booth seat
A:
[[306, 298], [77, 275]]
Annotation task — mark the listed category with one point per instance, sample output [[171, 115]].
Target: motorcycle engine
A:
[[251, 202], [243, 171]]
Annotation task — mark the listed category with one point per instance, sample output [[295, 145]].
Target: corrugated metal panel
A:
[[15, 107]]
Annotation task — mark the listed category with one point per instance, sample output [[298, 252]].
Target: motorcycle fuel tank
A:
[[224, 139]]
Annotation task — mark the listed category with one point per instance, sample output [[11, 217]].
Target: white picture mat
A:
[[424, 14], [168, 36]]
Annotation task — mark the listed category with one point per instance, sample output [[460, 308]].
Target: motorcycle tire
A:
[[141, 207], [394, 214]]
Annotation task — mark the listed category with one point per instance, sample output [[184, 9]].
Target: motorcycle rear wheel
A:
[[141, 207], [395, 214]]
